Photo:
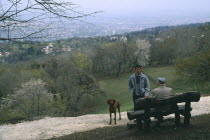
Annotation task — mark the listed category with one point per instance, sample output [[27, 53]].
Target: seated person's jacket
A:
[[163, 92]]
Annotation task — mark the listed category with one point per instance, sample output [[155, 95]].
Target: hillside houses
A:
[[122, 38], [50, 49], [6, 54], [3, 55]]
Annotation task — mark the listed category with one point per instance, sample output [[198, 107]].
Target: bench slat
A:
[[140, 113]]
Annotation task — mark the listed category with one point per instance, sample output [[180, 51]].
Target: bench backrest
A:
[[151, 102]]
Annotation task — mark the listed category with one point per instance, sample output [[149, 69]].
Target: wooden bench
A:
[[151, 107]]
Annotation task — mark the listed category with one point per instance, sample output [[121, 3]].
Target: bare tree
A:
[[20, 15]]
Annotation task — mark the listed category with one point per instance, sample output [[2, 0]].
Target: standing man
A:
[[138, 85]]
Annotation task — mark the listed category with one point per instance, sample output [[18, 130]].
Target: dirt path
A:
[[55, 127]]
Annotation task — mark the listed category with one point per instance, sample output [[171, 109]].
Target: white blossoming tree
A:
[[143, 52], [32, 99]]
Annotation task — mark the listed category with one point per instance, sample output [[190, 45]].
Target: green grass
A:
[[117, 87], [171, 78]]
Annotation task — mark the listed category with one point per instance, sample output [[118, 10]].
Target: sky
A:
[[147, 7]]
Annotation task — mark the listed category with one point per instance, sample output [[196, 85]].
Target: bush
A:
[[31, 100], [196, 70]]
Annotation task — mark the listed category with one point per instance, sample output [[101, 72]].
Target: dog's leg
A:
[[110, 114], [115, 118], [119, 113]]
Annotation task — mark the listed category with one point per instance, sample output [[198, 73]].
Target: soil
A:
[[199, 130]]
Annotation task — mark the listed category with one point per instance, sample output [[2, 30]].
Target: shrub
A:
[[196, 70]]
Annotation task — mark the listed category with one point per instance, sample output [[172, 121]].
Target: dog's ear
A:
[[108, 101], [114, 100]]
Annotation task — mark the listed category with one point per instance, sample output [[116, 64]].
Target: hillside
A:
[[69, 70]]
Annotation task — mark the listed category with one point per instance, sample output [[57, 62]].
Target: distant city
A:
[[93, 27]]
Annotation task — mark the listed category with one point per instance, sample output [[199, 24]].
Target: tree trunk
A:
[[118, 69], [38, 108]]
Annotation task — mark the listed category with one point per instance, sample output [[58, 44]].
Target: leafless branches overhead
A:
[[19, 15]]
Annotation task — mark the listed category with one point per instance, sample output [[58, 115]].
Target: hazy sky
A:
[[148, 7]]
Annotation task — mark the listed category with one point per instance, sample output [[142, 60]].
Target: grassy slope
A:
[[171, 79], [118, 87]]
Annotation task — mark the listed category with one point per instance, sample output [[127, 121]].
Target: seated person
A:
[[162, 92]]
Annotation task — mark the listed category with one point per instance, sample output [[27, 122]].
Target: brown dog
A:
[[113, 105]]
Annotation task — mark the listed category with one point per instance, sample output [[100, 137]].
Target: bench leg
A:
[[187, 115], [177, 119], [139, 124], [187, 120], [147, 124], [131, 125]]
